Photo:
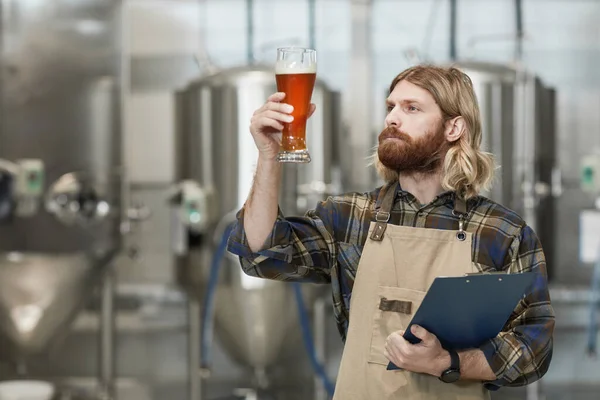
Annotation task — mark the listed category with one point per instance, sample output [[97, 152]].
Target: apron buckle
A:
[[382, 216], [381, 220], [461, 234], [460, 211]]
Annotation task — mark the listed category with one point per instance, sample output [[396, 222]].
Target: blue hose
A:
[[209, 297], [308, 340]]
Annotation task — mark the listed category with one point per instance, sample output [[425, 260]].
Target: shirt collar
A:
[[441, 199]]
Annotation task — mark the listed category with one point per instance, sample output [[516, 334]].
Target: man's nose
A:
[[392, 119]]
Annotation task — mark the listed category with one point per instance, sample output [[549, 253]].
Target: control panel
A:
[[590, 173]]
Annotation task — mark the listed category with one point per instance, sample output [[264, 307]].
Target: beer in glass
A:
[[295, 71]]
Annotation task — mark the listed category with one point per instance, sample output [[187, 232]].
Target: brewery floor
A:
[[553, 392]]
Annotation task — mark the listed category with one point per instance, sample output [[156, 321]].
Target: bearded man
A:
[[427, 220]]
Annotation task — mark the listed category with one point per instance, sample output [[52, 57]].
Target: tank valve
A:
[[73, 200], [21, 187], [136, 215], [194, 204]]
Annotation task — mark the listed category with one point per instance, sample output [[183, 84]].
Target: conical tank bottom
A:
[[39, 296], [254, 324], [256, 320]]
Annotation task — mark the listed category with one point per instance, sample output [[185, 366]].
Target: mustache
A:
[[423, 154], [392, 132]]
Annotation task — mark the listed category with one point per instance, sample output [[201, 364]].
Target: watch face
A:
[[450, 376]]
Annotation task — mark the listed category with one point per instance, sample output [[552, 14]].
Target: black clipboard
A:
[[464, 312]]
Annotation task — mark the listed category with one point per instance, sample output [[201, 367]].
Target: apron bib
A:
[[399, 263]]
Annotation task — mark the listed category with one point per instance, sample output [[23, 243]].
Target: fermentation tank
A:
[[60, 165], [217, 157], [518, 122]]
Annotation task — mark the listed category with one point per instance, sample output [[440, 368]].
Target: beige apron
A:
[[399, 263]]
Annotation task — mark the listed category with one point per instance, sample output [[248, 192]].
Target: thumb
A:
[[312, 109], [423, 334]]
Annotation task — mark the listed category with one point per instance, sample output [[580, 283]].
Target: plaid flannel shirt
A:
[[325, 246]]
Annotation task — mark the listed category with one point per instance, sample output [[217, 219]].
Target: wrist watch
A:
[[452, 374]]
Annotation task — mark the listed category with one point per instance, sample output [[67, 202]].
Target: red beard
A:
[[423, 155]]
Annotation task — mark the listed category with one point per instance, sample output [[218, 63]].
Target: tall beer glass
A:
[[296, 71]]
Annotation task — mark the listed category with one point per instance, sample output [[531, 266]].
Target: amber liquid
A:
[[298, 90]]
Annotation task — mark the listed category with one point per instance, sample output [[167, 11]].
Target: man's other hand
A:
[[426, 357]]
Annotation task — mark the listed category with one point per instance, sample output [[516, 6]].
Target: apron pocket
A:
[[393, 312]]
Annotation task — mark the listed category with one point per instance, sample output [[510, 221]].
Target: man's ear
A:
[[455, 129]]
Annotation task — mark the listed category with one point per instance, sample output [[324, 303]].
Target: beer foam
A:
[[286, 68]]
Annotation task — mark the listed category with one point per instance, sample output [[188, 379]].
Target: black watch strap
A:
[[454, 360], [452, 374]]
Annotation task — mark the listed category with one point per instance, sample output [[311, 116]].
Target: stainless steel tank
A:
[[61, 164], [254, 318], [518, 120]]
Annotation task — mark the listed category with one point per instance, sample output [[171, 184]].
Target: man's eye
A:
[[412, 108], [390, 108]]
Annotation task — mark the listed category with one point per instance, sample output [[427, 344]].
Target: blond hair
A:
[[466, 168]]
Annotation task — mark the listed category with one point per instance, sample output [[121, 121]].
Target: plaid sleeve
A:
[[521, 353], [298, 248]]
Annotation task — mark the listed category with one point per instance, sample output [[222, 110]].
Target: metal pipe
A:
[[526, 170], [194, 378], [320, 335], [107, 333], [530, 199], [4, 23], [312, 16], [519, 27], [358, 116], [202, 58], [125, 84], [250, 31], [592, 347], [533, 391], [452, 44]]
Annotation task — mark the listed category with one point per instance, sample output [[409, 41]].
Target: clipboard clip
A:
[[485, 273]]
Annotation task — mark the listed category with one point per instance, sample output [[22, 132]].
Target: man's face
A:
[[414, 138]]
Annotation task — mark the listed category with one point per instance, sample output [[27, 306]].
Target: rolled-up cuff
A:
[[238, 243], [496, 364]]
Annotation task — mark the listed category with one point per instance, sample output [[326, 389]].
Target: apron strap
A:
[[386, 201], [382, 215]]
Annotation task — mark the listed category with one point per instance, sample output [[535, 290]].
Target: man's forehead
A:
[[405, 91]]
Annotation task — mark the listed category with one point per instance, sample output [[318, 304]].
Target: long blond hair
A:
[[467, 169]]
